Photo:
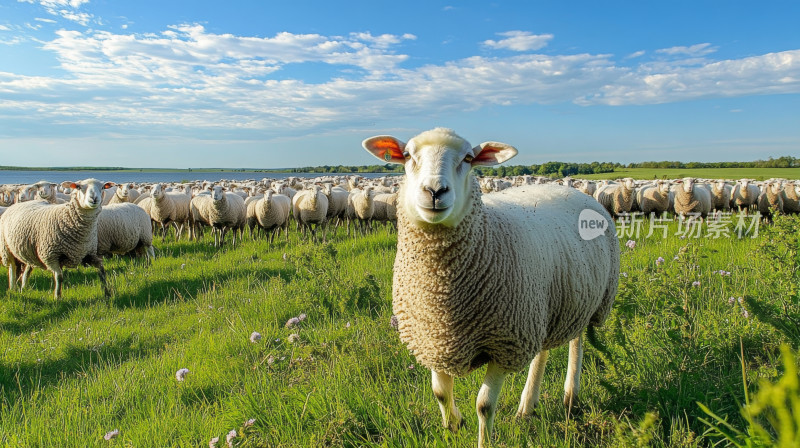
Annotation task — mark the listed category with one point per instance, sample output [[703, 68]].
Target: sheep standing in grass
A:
[[226, 213], [721, 196], [363, 203], [617, 198], [272, 214], [53, 237], [744, 195], [124, 228], [310, 208], [770, 201], [654, 198], [498, 279], [692, 198], [791, 197]]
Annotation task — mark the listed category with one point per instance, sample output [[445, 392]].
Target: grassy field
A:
[[708, 173], [74, 370]]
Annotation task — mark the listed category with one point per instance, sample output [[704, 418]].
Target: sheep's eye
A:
[[406, 155], [469, 158]]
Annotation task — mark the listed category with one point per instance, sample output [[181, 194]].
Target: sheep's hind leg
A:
[[97, 262], [530, 395], [486, 404], [13, 273], [25, 275], [442, 385], [572, 384]]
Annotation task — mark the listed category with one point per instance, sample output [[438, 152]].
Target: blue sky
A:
[[267, 84]]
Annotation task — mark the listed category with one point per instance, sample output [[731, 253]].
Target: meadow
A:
[[698, 319]]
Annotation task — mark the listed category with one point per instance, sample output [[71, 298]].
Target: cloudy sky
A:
[[266, 84]]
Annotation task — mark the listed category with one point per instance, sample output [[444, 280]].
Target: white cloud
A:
[[692, 51], [220, 84], [519, 41], [67, 9], [635, 54]]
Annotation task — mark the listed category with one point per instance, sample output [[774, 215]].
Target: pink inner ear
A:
[[390, 145], [74, 186], [487, 154]]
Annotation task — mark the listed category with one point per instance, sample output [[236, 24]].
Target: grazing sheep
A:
[[337, 203], [771, 200], [46, 191], [272, 214], [363, 203], [587, 187], [53, 237], [497, 279], [744, 195], [26, 193], [692, 198], [310, 208], [162, 209], [386, 208], [791, 197], [124, 228], [721, 196], [224, 212], [617, 198], [654, 198], [125, 193]]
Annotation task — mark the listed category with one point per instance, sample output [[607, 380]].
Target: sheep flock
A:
[[317, 207]]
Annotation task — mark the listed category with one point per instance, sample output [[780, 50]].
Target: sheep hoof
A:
[[527, 415]]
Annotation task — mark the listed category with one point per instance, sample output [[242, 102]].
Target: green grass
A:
[[70, 371], [709, 173]]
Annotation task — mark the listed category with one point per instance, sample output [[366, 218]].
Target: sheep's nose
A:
[[436, 193]]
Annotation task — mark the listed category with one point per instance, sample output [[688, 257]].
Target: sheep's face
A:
[[629, 183], [437, 165], [158, 191], [688, 183], [88, 193], [46, 191], [217, 193]]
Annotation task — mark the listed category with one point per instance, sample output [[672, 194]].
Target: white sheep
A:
[[721, 196], [310, 208], [791, 197], [498, 279], [125, 193], [362, 202], [53, 237], [691, 198], [616, 198], [770, 201], [221, 210], [124, 228], [744, 195], [46, 191], [654, 198], [272, 214]]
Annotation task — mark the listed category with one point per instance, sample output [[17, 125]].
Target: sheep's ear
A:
[[71, 185], [386, 148], [108, 185], [492, 153]]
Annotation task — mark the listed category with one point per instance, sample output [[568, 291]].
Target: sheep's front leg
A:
[[58, 277], [443, 391], [530, 395], [486, 404], [572, 384]]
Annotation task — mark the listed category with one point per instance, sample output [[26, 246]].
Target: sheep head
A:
[[218, 193], [46, 190], [437, 166], [88, 193]]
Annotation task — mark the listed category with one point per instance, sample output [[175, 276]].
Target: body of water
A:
[[29, 177]]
